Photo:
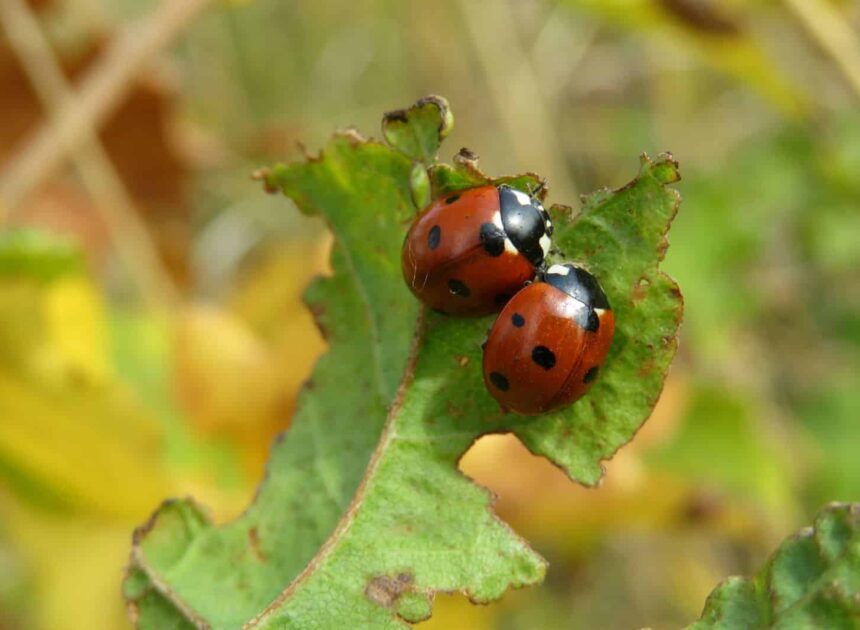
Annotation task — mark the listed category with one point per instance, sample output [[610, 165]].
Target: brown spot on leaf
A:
[[318, 310], [385, 590], [254, 541], [453, 410], [646, 368], [640, 289], [463, 361], [398, 115]]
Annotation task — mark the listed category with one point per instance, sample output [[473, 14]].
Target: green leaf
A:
[[812, 581], [621, 237], [364, 515], [721, 442], [37, 255], [419, 130]]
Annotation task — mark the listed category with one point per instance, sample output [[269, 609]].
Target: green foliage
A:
[[364, 515], [812, 581], [37, 255], [721, 444]]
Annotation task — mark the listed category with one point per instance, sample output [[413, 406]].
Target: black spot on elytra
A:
[[591, 374], [493, 239], [458, 288], [502, 298], [434, 237], [499, 381], [452, 199], [518, 320], [544, 357]]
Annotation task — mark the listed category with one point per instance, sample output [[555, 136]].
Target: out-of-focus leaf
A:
[[722, 42], [719, 444], [415, 525], [812, 581], [38, 255], [75, 444], [74, 562], [223, 371], [830, 416], [69, 432]]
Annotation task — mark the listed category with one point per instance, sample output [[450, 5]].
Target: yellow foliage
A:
[[75, 322], [77, 564]]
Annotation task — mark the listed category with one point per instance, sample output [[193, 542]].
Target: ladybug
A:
[[468, 252], [547, 345]]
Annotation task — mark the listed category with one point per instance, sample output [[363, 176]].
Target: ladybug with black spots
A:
[[547, 345], [469, 251]]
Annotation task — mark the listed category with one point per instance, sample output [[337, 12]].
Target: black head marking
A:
[[547, 222], [544, 357], [458, 288], [578, 284], [452, 198], [434, 236], [593, 322], [591, 374], [523, 221], [500, 381], [518, 320], [493, 239]]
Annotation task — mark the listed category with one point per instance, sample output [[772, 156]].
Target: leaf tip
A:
[[269, 177], [665, 168], [417, 131]]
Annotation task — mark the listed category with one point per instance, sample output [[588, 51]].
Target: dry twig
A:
[[72, 131]]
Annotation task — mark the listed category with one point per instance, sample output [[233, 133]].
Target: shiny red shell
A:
[[537, 357], [446, 265]]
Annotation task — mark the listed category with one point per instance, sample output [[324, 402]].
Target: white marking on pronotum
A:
[[545, 244], [497, 221], [522, 198], [561, 270], [600, 311], [509, 246]]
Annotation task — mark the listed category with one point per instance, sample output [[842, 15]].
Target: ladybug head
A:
[[526, 224], [578, 284]]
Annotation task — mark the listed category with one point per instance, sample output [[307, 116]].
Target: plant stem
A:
[[100, 93], [833, 33], [128, 232]]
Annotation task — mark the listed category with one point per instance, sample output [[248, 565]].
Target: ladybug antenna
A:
[[539, 189]]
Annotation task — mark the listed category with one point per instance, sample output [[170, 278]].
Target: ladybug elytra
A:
[[468, 252], [547, 345]]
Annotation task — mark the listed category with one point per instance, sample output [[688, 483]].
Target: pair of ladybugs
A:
[[483, 249]]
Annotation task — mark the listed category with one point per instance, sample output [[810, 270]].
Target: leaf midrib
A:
[[386, 438]]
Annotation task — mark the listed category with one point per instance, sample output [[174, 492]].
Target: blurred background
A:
[[152, 337]]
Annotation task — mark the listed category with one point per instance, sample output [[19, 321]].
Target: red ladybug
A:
[[467, 253], [547, 345]]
